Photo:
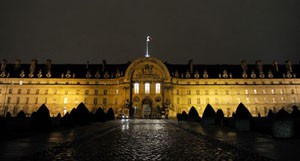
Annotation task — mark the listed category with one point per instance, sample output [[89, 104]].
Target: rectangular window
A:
[[95, 101], [207, 100], [85, 101], [117, 91], [264, 91], [27, 100], [189, 92], [206, 92], [198, 101], [292, 91], [274, 100], [19, 91], [273, 91], [105, 92], [216, 92], [136, 88], [96, 92], [177, 91], [86, 92], [55, 91], [37, 91], [46, 100], [157, 88], [189, 101], [65, 100], [217, 101], [238, 92], [147, 88], [104, 101], [281, 91], [8, 100], [10, 91], [18, 100], [226, 92], [0, 91], [46, 91], [247, 100], [77, 92], [256, 100], [178, 100], [265, 100], [116, 101], [198, 92], [246, 91], [66, 91], [255, 91]]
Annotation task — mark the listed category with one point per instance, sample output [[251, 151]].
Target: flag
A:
[[149, 38]]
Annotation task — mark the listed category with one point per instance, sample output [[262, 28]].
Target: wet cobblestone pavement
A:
[[144, 140]]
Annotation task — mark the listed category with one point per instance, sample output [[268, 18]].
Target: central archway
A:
[[147, 107]]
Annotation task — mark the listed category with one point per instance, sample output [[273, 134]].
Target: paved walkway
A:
[[20, 148], [277, 149], [125, 140]]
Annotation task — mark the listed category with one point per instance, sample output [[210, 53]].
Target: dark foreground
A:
[[124, 140]]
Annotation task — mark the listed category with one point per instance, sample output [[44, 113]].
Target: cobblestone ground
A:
[[145, 140]]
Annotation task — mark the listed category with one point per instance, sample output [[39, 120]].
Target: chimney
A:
[[259, 65], [244, 65], [33, 65], [191, 65], [3, 65], [289, 66], [87, 64], [103, 65], [17, 64], [275, 64], [48, 64]]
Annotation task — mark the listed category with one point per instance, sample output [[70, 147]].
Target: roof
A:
[[176, 70]]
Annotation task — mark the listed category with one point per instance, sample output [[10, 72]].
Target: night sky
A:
[[207, 31]]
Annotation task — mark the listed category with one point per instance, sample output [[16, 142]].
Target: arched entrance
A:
[[147, 108]]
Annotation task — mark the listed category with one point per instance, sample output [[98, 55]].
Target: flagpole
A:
[[147, 52]]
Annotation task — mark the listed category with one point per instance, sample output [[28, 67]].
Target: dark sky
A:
[[207, 31]]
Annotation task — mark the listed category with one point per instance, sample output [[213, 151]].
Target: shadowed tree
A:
[[283, 125], [67, 120], [100, 115], [270, 114], [295, 113], [82, 114], [41, 118], [110, 114], [8, 115], [209, 115], [242, 118], [219, 117], [193, 115], [184, 116], [21, 114], [296, 116]]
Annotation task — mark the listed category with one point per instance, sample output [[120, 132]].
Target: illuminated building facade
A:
[[151, 87]]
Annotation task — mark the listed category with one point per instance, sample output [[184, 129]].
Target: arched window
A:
[[136, 88], [157, 88], [147, 88]]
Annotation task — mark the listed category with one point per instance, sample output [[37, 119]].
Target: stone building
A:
[[148, 86]]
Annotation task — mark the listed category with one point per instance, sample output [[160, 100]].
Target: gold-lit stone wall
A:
[[259, 95], [176, 95]]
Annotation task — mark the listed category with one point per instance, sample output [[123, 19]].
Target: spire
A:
[[147, 48]]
